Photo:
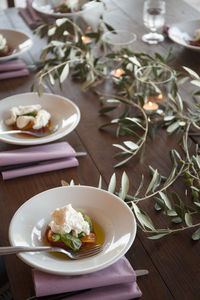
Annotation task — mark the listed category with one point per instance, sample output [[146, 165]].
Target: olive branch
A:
[[65, 54]]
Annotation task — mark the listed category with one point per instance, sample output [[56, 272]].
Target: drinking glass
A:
[[116, 40], [154, 83], [154, 18]]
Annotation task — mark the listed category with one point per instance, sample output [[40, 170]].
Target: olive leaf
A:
[[64, 73], [124, 186], [100, 182], [188, 219], [112, 184], [196, 235], [191, 72], [165, 199], [153, 181]]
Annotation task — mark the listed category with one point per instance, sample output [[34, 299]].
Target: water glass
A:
[[154, 19], [116, 40]]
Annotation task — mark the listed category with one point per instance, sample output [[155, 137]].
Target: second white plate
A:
[[18, 41], [64, 114], [182, 33]]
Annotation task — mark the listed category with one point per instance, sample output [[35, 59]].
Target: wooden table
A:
[[173, 262]]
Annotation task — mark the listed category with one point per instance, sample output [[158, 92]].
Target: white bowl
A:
[[18, 41], [46, 7], [28, 226], [64, 114], [182, 33]]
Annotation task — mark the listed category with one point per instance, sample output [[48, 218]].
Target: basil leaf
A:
[[56, 237], [82, 234], [87, 219], [71, 241], [31, 114]]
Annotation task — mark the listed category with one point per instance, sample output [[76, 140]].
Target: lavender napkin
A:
[[13, 69], [117, 281], [53, 156], [29, 15], [36, 153], [12, 65], [53, 165]]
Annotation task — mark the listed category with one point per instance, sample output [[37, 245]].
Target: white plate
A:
[[46, 7], [64, 114], [182, 33], [17, 40], [28, 225]]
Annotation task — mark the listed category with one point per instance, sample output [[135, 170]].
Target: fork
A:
[[32, 133], [82, 253]]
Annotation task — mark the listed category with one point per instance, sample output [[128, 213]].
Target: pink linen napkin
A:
[[43, 167], [36, 153], [14, 74], [13, 69], [50, 157], [30, 16], [117, 281], [11, 65]]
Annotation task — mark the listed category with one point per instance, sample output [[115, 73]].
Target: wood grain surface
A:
[[173, 262]]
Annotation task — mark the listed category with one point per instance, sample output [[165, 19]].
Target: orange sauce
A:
[[44, 130]]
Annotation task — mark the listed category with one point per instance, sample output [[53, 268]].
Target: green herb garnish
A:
[[71, 241], [56, 237], [87, 219]]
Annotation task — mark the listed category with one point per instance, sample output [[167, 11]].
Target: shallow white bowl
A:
[[28, 225], [18, 41], [182, 33], [64, 114], [46, 7]]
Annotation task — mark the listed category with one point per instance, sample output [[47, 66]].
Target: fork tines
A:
[[90, 251]]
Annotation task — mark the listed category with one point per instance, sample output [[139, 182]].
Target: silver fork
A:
[[35, 133], [82, 253]]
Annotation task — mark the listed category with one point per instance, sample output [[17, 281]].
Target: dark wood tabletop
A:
[[173, 262]]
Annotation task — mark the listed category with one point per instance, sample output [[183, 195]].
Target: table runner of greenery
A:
[[66, 53]]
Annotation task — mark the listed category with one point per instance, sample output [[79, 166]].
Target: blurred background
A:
[[22, 3]]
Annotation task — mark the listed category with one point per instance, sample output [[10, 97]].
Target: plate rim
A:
[[9, 57], [40, 141], [88, 270], [179, 43]]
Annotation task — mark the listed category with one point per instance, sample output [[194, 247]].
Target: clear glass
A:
[[154, 83], [116, 40], [154, 19]]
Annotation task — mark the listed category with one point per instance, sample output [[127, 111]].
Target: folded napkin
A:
[[30, 16], [12, 69], [116, 282], [47, 158]]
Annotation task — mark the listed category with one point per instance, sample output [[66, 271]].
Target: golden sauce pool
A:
[[100, 237], [44, 131]]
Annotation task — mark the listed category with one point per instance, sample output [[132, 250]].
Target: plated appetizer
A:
[[68, 6], [29, 117], [71, 229], [4, 47], [196, 41]]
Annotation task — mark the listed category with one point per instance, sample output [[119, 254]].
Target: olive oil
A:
[[100, 237]]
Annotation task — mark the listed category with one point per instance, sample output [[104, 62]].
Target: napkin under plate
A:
[[117, 281], [12, 69], [51, 157], [36, 153]]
